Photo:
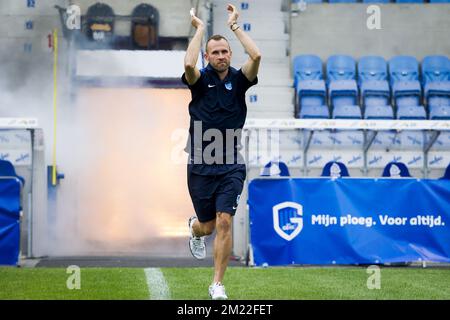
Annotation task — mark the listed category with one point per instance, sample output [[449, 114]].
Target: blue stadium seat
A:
[[314, 112], [435, 69], [347, 112], [341, 67], [380, 112], [341, 74], [396, 170], [275, 168], [307, 67], [372, 68], [342, 1], [440, 112], [409, 1], [309, 86], [372, 78], [376, 1], [311, 92], [436, 80], [7, 170], [404, 80], [335, 169], [439, 1], [411, 113], [403, 68]]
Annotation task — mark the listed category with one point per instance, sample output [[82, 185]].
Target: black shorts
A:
[[216, 193]]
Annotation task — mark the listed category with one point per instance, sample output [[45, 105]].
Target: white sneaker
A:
[[197, 245], [217, 291]]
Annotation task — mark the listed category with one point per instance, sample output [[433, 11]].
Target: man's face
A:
[[218, 54]]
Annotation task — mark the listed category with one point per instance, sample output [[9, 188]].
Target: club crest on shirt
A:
[[228, 86]]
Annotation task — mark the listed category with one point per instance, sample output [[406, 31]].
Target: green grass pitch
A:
[[298, 283]]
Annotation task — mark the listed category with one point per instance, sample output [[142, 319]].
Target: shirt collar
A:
[[211, 69]]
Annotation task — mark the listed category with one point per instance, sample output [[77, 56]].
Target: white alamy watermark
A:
[[73, 20], [374, 279], [74, 280], [221, 146], [374, 20]]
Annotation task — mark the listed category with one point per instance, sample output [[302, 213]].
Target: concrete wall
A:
[[413, 29]]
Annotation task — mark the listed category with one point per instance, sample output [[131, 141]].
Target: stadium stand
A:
[[375, 83], [335, 169], [396, 170]]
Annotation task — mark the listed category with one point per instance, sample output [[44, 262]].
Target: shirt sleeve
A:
[[244, 82], [197, 85]]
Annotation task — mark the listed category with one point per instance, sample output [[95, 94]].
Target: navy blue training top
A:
[[219, 105]]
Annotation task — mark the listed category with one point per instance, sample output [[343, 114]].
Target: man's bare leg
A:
[[203, 228], [222, 245]]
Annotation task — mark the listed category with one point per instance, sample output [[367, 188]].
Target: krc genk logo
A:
[[288, 219]]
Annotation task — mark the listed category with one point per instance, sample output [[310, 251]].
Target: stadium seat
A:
[[411, 112], [376, 1], [439, 1], [404, 80], [341, 67], [342, 1], [403, 68], [372, 79], [436, 80], [409, 1], [335, 169], [311, 92], [447, 173], [342, 87], [435, 69], [380, 112], [347, 112], [396, 170], [440, 112], [309, 87], [275, 168], [372, 68], [314, 112], [7, 170], [307, 67]]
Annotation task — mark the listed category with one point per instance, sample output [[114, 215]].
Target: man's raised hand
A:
[[195, 21], [233, 14]]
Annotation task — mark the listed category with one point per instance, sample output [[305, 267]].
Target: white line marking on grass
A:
[[157, 285]]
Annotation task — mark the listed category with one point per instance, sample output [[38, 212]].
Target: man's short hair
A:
[[216, 37]]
